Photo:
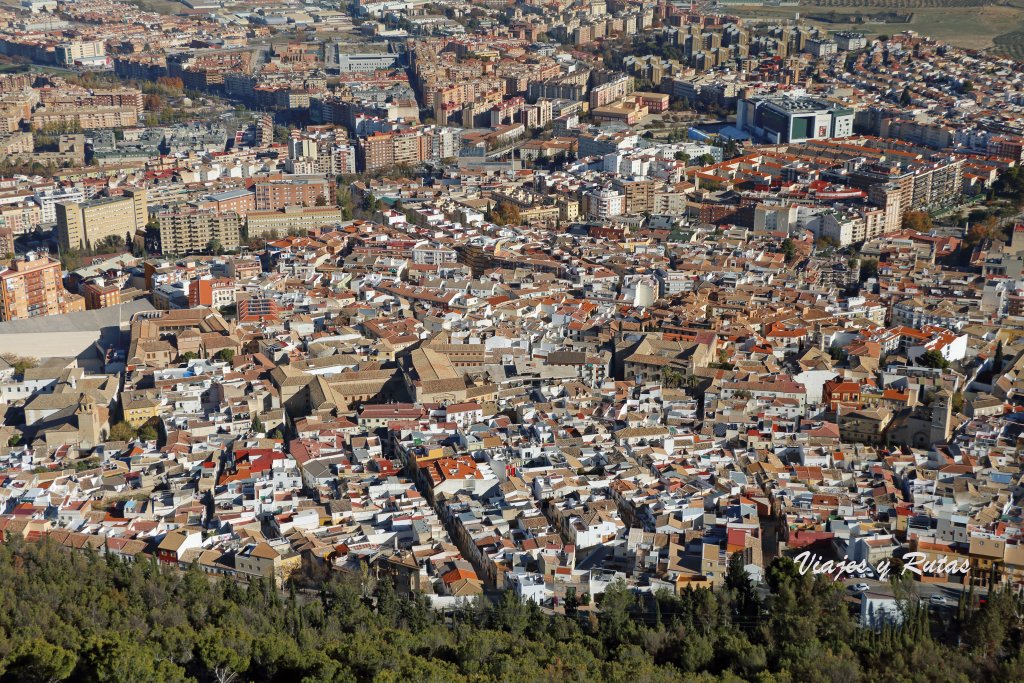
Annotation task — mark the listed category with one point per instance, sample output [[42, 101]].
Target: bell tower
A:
[[942, 414]]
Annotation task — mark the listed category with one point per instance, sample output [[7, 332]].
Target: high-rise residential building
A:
[[263, 125], [185, 230], [611, 91], [21, 218], [299, 147], [48, 198], [383, 150], [343, 159], [85, 225], [605, 203], [32, 286], [447, 142], [638, 194]]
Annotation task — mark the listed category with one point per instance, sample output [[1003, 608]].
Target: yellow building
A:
[[268, 224], [986, 555], [85, 225], [139, 409]]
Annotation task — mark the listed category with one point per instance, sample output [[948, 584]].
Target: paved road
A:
[[928, 592]]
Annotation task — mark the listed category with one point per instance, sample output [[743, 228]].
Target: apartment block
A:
[[88, 118], [47, 199], [278, 193], [87, 224], [32, 287], [612, 91], [267, 224], [190, 230], [240, 201], [382, 150]]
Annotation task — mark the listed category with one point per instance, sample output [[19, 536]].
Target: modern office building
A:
[[792, 118], [366, 62], [81, 52]]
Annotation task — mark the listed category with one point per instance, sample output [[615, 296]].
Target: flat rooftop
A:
[[796, 105]]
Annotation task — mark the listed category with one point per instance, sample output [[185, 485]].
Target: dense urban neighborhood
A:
[[630, 340]]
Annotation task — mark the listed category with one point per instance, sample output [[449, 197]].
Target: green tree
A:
[[116, 659], [745, 605], [225, 355], [572, 601], [37, 661], [788, 249], [150, 431], [868, 269], [510, 614], [282, 134], [370, 203], [70, 259], [20, 363], [225, 652], [68, 615], [932, 359], [673, 378], [256, 425], [122, 431], [615, 604], [345, 203]]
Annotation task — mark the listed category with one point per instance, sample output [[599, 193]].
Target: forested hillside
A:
[[76, 617]]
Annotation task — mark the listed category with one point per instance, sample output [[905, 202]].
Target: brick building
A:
[[274, 194], [32, 287]]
